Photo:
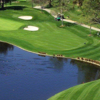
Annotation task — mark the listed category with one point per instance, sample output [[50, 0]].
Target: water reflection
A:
[[5, 47], [57, 64], [86, 72], [27, 76]]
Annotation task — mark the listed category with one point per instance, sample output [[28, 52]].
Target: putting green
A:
[[57, 40], [6, 24]]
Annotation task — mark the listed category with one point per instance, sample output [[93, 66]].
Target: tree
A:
[[42, 3], [5, 47], [79, 2], [2, 2], [50, 1], [91, 11], [63, 5]]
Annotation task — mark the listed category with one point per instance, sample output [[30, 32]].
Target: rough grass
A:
[[76, 15]]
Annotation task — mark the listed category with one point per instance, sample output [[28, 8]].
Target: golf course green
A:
[[72, 41], [12, 25]]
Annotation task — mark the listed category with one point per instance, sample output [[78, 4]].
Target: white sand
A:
[[25, 17], [31, 28]]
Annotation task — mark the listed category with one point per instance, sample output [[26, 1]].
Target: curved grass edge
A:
[[87, 91], [98, 65], [66, 55]]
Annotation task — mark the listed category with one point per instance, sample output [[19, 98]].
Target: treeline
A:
[[90, 8], [56, 3]]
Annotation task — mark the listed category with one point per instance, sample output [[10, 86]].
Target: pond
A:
[[28, 76]]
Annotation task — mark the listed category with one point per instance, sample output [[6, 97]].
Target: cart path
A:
[[67, 20]]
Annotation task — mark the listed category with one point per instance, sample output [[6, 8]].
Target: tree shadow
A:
[[65, 24], [5, 47], [86, 72], [69, 24], [13, 8]]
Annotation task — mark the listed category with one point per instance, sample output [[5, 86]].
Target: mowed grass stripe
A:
[[57, 43], [95, 56], [86, 47], [97, 94], [90, 89], [6, 24], [51, 27], [86, 91], [61, 39], [68, 40], [92, 50]]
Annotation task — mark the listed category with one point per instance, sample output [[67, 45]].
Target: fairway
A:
[[6, 24], [70, 41], [57, 40]]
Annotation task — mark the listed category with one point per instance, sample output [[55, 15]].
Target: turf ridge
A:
[[87, 91]]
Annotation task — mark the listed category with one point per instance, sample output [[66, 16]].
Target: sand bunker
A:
[[25, 17], [31, 28]]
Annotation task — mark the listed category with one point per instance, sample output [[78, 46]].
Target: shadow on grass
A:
[[13, 8], [65, 24], [69, 24]]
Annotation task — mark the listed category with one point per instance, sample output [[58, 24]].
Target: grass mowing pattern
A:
[[87, 91], [61, 40], [6, 24], [50, 38]]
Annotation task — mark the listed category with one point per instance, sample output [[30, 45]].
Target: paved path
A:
[[67, 20]]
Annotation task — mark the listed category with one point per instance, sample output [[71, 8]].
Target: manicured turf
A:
[[87, 91], [70, 41], [6, 24]]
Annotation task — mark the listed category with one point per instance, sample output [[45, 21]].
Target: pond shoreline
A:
[[45, 54]]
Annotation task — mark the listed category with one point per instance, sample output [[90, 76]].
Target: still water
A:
[[27, 76]]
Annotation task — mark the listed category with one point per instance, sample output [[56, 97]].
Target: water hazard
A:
[[27, 76]]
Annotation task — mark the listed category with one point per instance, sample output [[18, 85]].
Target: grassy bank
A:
[[87, 91]]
